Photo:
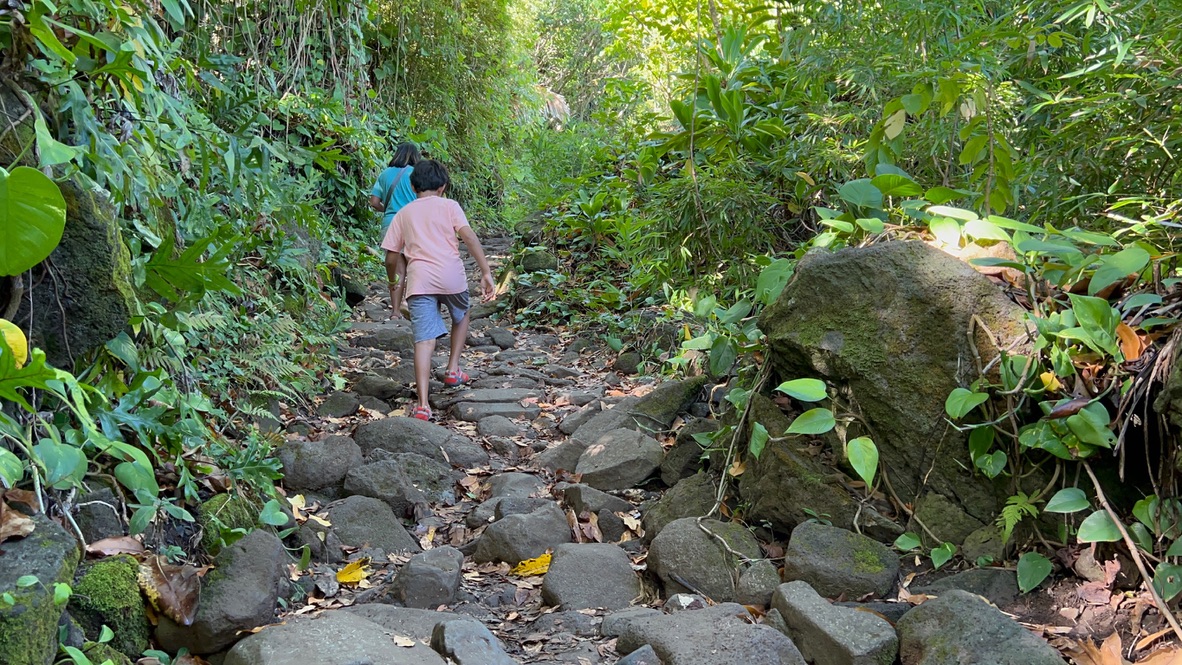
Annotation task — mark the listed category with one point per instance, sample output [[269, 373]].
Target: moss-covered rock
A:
[[895, 324], [89, 298], [101, 653], [835, 561], [107, 593], [28, 628], [222, 513]]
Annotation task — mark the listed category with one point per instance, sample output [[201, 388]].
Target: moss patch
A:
[[867, 562], [28, 629], [107, 593], [222, 513], [101, 653]]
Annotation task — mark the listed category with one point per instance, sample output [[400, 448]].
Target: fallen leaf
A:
[[354, 573], [1050, 382], [319, 520], [401, 641], [1131, 345], [1150, 639], [13, 523], [1169, 656], [1068, 408], [24, 496], [173, 590], [116, 545], [1108, 653], [531, 567], [738, 468], [298, 503]]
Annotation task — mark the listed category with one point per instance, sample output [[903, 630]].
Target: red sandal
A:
[[421, 413], [456, 378]]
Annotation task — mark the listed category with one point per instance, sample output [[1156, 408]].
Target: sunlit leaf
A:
[[814, 421], [805, 390], [1098, 528]]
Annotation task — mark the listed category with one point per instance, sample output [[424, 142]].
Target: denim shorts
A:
[[425, 319]]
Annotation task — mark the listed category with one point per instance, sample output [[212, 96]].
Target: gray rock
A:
[[943, 517], [90, 298], [107, 593], [692, 497], [574, 421], [684, 459], [380, 387], [323, 542], [899, 356], [394, 335], [984, 544], [430, 579], [566, 455], [469, 643], [375, 404], [997, 585], [891, 612], [499, 426], [315, 465], [476, 411], [411, 622], [584, 576], [831, 635], [561, 372], [836, 562], [520, 537], [338, 405], [718, 635], [514, 484], [959, 627], [511, 356], [614, 623], [642, 656], [248, 579], [403, 481], [362, 521], [619, 460], [514, 505], [29, 627], [496, 395], [97, 517], [586, 499], [683, 552], [574, 623], [501, 337], [657, 410], [336, 637], [584, 397], [411, 435], [757, 583], [627, 363], [538, 259], [612, 526]]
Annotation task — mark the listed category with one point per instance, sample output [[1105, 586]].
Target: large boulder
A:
[[107, 593], [410, 435], [362, 521], [718, 635], [835, 562], [960, 627], [89, 298], [832, 635], [316, 465], [336, 637], [684, 553], [404, 481], [692, 497], [899, 325], [28, 629], [619, 460], [239, 594], [589, 575], [523, 536]]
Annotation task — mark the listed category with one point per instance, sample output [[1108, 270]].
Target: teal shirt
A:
[[403, 193]]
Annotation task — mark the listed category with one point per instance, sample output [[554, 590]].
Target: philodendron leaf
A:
[[907, 542], [813, 421], [32, 217], [1098, 528], [1070, 500], [1033, 568], [863, 456], [961, 401], [805, 390], [942, 555]]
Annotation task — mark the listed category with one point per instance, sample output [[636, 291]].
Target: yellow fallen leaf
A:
[[531, 567], [319, 520], [297, 503], [1050, 381], [14, 338], [401, 641], [354, 572]]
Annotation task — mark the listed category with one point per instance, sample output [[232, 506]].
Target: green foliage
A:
[[32, 216], [1033, 568], [1018, 507]]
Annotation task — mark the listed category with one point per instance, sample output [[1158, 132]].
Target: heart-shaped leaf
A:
[[32, 217]]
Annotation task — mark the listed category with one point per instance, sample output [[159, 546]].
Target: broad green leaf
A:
[[954, 213], [32, 217], [1033, 568], [25, 581], [136, 476], [1175, 548], [1090, 425], [65, 465], [939, 194], [961, 401], [946, 230], [272, 514], [772, 280], [1116, 267], [759, 437], [722, 356], [894, 124], [980, 229], [1098, 528], [870, 225], [805, 390], [861, 193], [1141, 536], [1167, 579], [907, 542], [105, 635], [813, 421], [53, 152], [981, 441], [1069, 500], [942, 555], [891, 184], [12, 469], [1007, 223], [61, 593], [863, 456], [915, 103], [141, 519], [735, 313], [992, 464]]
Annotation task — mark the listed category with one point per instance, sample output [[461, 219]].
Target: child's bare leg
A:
[[423, 353], [459, 335]]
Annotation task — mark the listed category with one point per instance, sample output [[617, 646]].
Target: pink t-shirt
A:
[[424, 230]]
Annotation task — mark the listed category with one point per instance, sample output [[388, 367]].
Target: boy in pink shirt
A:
[[421, 247]]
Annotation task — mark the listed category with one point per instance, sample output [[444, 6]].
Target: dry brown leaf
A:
[[13, 523], [24, 496], [1131, 344], [1108, 653], [401, 641], [1068, 408], [738, 468], [1168, 656], [116, 545], [1150, 639], [172, 590]]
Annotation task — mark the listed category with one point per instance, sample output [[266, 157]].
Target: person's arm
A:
[[396, 281], [376, 203], [473, 243]]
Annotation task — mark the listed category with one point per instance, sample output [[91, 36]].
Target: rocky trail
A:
[[560, 510]]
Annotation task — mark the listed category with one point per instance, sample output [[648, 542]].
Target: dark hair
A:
[[407, 154], [428, 175]]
